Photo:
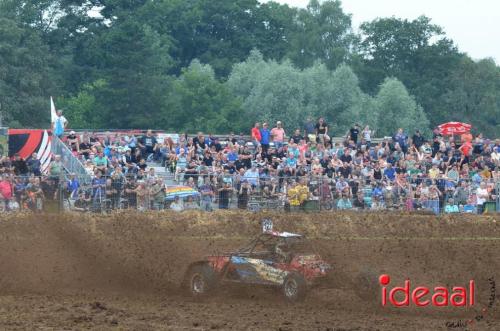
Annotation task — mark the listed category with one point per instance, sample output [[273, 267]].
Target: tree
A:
[[84, 110], [134, 60], [322, 32], [473, 96], [198, 102], [415, 52], [24, 73], [397, 109]]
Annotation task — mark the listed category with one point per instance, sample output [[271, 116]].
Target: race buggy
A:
[[276, 259]]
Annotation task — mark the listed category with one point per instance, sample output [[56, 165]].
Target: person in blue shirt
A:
[[73, 185], [390, 172], [344, 203], [265, 134], [402, 139]]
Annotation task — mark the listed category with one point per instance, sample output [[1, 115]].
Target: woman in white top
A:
[[367, 134], [482, 194]]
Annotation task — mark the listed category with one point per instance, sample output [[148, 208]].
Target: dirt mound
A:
[[137, 254]]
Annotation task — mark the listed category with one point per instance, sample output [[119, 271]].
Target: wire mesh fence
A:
[[207, 192]]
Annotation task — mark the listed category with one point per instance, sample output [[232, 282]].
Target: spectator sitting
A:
[[359, 202], [82, 203], [344, 202], [177, 204], [190, 204], [252, 176], [450, 207]]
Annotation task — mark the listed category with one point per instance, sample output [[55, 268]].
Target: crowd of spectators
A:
[[278, 169]]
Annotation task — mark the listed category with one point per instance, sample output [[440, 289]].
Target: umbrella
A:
[[454, 128], [181, 192]]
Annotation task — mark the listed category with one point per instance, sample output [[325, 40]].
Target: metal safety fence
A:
[[102, 194]]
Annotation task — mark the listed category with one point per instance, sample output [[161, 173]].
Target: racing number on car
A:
[[267, 225]]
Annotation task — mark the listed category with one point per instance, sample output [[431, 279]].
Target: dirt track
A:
[[123, 271]]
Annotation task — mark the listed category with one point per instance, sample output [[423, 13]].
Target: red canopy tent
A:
[[452, 128]]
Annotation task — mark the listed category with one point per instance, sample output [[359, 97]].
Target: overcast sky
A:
[[474, 25]]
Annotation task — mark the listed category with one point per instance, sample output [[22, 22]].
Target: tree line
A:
[[218, 66]]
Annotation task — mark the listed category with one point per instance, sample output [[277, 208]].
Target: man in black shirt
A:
[[240, 163], [346, 157], [417, 139], [345, 170], [354, 133], [147, 143], [20, 166], [322, 131], [199, 141], [297, 137]]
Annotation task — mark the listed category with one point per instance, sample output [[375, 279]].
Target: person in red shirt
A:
[[466, 148], [6, 192], [256, 136]]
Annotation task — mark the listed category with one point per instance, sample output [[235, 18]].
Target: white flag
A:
[[53, 114]]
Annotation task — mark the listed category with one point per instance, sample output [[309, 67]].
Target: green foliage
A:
[[85, 112], [24, 75], [274, 91], [198, 102], [221, 65], [397, 109]]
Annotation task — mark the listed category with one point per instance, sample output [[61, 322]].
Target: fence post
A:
[[61, 191], [497, 189]]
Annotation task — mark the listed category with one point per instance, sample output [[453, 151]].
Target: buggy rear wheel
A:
[[294, 287], [201, 280]]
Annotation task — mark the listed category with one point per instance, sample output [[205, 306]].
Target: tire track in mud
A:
[[147, 254]]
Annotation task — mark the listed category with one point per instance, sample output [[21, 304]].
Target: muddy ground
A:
[[122, 271]]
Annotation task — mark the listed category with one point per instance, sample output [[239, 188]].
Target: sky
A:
[[474, 25]]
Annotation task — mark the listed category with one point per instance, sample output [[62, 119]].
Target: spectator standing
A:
[[322, 131], [354, 133], [482, 196], [367, 135], [6, 192], [73, 185], [402, 139], [224, 195], [59, 125], [34, 165], [244, 194], [98, 191], [256, 135], [265, 135], [278, 135], [309, 130], [417, 139], [20, 166], [207, 194], [56, 167]]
